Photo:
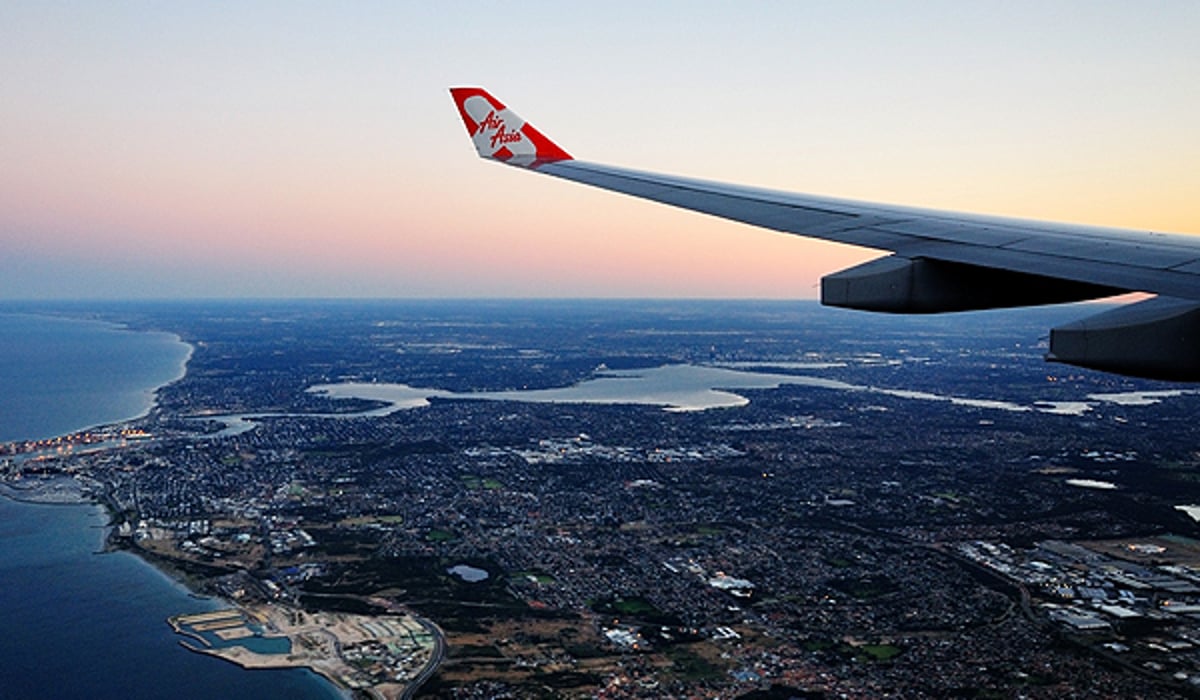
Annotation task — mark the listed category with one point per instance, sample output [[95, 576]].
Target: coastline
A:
[[51, 491], [330, 644], [66, 489], [147, 396], [247, 666], [75, 491], [62, 594]]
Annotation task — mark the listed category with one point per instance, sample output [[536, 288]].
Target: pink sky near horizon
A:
[[303, 150]]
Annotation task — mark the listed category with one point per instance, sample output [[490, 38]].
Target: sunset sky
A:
[[210, 149]]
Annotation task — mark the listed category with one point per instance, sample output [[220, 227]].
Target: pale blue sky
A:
[[311, 149]]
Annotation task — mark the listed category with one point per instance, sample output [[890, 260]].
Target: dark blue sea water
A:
[[75, 623], [58, 375]]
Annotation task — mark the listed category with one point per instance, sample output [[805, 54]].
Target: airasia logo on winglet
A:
[[502, 135]]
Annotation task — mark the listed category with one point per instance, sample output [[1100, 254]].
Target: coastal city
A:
[[928, 513]]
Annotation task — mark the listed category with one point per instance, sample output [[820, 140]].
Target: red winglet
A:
[[499, 134]]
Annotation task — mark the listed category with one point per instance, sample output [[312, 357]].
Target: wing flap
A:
[[957, 232], [1192, 268], [1145, 255]]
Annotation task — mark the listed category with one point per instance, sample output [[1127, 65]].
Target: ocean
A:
[[75, 622], [58, 375]]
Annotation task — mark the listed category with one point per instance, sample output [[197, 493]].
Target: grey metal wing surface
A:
[[940, 261], [1122, 260]]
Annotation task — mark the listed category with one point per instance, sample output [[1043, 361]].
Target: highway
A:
[[435, 659]]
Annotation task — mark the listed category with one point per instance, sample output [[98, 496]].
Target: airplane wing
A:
[[940, 261]]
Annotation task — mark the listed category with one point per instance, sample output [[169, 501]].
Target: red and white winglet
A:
[[499, 134]]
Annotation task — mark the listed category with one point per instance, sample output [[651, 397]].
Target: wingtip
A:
[[499, 134]]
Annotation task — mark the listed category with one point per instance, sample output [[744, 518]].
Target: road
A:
[[435, 659]]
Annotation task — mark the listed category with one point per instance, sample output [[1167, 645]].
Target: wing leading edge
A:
[[940, 261]]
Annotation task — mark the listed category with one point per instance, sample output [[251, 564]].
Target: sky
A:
[[295, 149]]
